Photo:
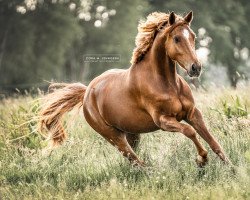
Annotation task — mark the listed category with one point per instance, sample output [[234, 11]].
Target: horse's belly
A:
[[133, 120]]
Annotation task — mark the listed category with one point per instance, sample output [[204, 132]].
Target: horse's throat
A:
[[170, 69], [162, 64]]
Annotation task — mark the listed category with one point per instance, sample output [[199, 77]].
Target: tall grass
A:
[[87, 167]]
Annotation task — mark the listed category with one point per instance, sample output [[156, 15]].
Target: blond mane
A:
[[147, 31]]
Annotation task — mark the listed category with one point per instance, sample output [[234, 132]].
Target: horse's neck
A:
[[160, 63]]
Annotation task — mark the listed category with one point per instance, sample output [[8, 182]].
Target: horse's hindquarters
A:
[[109, 100]]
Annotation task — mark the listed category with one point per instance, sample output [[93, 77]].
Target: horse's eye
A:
[[176, 39]]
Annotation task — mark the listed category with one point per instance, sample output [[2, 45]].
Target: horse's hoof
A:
[[201, 161], [138, 164]]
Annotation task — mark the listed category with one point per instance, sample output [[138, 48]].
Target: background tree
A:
[[35, 43], [115, 35], [45, 40]]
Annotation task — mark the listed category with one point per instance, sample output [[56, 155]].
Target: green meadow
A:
[[88, 167]]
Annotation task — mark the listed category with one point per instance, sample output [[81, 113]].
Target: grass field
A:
[[87, 167]]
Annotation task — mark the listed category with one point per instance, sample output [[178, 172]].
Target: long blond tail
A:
[[58, 103]]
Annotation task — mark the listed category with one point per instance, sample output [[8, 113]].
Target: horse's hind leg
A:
[[114, 136], [133, 140], [119, 140]]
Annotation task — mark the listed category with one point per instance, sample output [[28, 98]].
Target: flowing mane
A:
[[147, 31]]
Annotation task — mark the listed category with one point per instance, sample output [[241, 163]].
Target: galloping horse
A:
[[150, 95]]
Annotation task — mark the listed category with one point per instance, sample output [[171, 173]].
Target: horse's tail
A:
[[58, 103]]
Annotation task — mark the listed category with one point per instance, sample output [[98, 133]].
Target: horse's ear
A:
[[189, 17], [171, 18]]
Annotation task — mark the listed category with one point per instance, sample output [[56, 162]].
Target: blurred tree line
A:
[[47, 39]]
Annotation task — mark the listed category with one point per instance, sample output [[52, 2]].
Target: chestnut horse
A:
[[148, 96]]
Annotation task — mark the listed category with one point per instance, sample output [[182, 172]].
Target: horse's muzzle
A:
[[195, 70]]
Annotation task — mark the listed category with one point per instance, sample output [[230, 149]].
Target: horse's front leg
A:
[[195, 119], [171, 124]]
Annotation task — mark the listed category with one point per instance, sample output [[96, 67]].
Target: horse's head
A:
[[180, 44]]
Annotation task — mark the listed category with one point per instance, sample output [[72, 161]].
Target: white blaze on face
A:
[[186, 33]]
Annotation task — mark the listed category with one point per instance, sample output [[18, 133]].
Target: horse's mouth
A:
[[193, 74]]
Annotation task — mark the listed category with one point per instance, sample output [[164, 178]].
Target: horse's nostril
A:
[[193, 67]]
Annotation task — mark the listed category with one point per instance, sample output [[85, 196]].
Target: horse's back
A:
[[103, 84]]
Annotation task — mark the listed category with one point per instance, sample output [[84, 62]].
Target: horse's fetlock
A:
[[217, 151], [201, 161], [204, 153]]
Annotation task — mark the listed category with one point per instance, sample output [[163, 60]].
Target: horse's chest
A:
[[172, 106], [176, 106], [186, 104]]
